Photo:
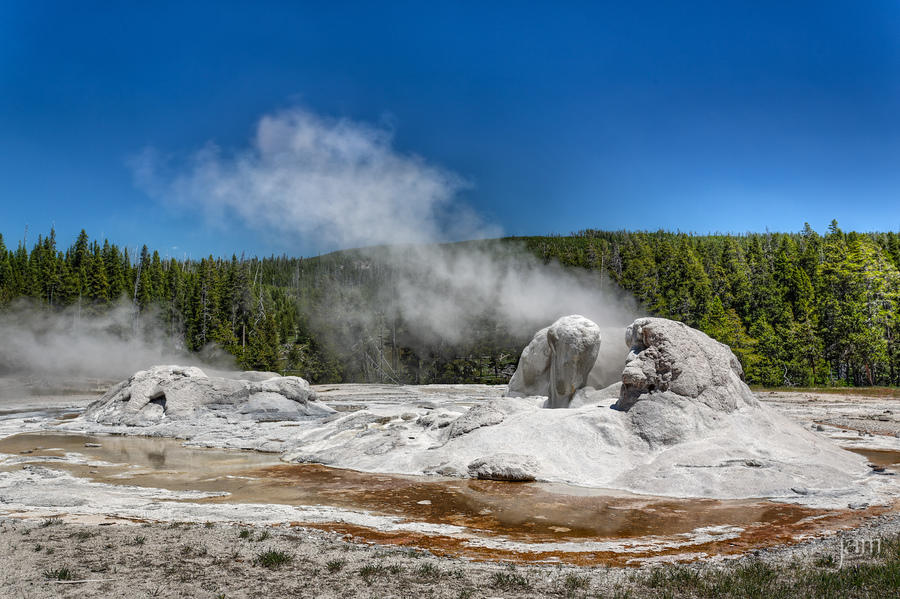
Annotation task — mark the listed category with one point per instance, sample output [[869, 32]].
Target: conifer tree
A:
[[6, 277]]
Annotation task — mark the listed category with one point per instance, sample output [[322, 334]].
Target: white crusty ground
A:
[[753, 452]]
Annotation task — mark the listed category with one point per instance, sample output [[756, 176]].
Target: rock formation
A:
[[558, 361], [574, 343], [532, 375], [669, 360], [682, 422], [478, 416], [511, 467], [678, 381], [183, 393]]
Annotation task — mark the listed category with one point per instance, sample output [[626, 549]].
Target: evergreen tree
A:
[[7, 286]]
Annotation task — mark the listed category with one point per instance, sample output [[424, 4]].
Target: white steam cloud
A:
[[344, 183], [73, 349], [442, 288], [337, 181]]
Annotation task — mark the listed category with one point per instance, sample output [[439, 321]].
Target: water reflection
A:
[[518, 511]]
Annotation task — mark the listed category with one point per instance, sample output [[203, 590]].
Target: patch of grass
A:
[[244, 534], [427, 572], [59, 574], [335, 565], [81, 535], [138, 540], [826, 561], [38, 547], [273, 558], [509, 581], [369, 572], [50, 522], [263, 535], [821, 578], [576, 582]]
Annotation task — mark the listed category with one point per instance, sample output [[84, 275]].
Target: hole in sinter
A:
[[159, 400]]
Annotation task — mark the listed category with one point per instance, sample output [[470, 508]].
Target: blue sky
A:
[[539, 117]]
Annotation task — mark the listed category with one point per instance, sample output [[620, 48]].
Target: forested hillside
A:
[[797, 309]]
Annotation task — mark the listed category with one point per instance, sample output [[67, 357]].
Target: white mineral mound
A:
[[166, 393], [681, 423], [558, 361]]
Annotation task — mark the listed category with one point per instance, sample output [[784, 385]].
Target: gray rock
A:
[[184, 393], [266, 406], [558, 361], [574, 344], [532, 376], [476, 417], [670, 357], [504, 466], [678, 382], [590, 396], [292, 387]]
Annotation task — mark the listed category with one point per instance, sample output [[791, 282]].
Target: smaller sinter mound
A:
[[183, 393]]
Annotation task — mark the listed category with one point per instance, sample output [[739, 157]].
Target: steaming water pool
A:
[[479, 519]]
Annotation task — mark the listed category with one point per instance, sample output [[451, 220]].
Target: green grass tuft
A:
[[509, 581], [59, 574], [336, 565], [273, 558]]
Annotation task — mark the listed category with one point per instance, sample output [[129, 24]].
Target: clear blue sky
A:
[[698, 116]]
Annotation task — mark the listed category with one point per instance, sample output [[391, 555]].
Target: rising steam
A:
[[46, 349], [335, 181], [345, 183]]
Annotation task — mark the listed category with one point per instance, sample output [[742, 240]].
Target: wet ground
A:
[[523, 521], [889, 459]]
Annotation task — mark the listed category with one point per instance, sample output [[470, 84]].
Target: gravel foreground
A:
[[54, 558]]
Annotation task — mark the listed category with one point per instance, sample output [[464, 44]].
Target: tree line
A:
[[798, 309]]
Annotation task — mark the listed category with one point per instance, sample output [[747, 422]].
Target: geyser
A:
[[558, 361], [681, 423], [167, 393]]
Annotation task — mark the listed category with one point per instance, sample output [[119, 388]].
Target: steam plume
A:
[[337, 181], [45, 348], [344, 182]]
